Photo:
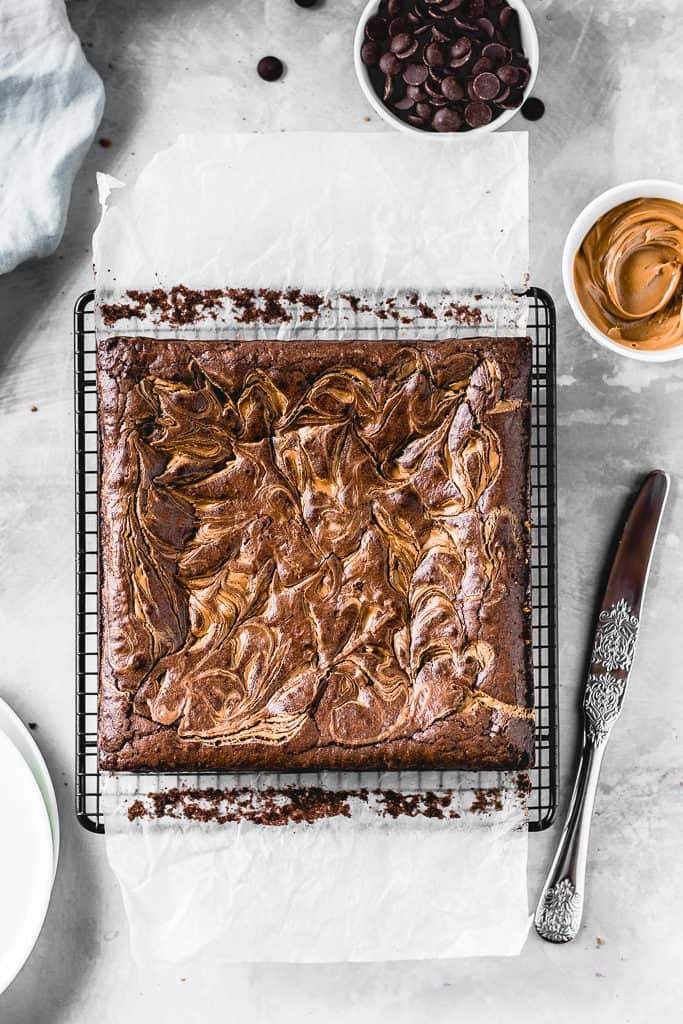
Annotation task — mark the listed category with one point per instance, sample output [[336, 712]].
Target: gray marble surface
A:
[[612, 76]]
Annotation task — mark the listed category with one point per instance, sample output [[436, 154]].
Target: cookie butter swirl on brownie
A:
[[314, 555]]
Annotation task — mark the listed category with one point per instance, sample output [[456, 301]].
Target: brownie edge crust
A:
[[314, 555]]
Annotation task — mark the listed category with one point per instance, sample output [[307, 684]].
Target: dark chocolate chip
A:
[[433, 89], [389, 64], [487, 27], [434, 55], [509, 22], [416, 93], [388, 88], [270, 68], [502, 95], [486, 86], [464, 26], [452, 88], [476, 9], [417, 121], [415, 74], [483, 64], [513, 101], [439, 36], [533, 109], [508, 74], [523, 76], [376, 28], [447, 120], [401, 42], [370, 52], [495, 52], [394, 8], [305, 3], [424, 111], [478, 113], [398, 26], [461, 51], [405, 104]]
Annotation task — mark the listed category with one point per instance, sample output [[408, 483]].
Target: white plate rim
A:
[[22, 953], [30, 751]]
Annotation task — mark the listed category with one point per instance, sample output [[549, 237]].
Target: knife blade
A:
[[560, 908]]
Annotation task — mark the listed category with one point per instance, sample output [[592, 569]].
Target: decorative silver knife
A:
[[560, 908]]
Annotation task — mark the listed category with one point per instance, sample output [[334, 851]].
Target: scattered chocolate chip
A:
[[270, 68], [305, 3], [105, 143], [32, 726], [34, 408], [533, 109]]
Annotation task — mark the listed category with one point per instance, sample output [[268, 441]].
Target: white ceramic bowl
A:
[[647, 188], [529, 44]]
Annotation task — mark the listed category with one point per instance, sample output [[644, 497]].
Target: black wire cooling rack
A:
[[541, 328]]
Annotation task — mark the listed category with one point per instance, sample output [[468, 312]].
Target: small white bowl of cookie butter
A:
[[622, 269]]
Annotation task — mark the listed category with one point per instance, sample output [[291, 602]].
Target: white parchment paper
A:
[[401, 236], [322, 212], [365, 887]]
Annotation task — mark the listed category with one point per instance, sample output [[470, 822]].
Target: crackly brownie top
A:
[[301, 533]]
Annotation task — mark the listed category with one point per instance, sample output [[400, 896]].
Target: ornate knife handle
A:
[[560, 908]]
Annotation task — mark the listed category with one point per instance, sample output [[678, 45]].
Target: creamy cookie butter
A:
[[628, 273]]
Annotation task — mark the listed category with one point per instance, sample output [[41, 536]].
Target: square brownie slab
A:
[[314, 555]]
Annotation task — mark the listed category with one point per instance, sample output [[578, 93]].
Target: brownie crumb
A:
[[136, 810], [290, 805], [486, 800]]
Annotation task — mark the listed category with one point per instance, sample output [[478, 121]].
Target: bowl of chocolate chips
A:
[[446, 66]]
